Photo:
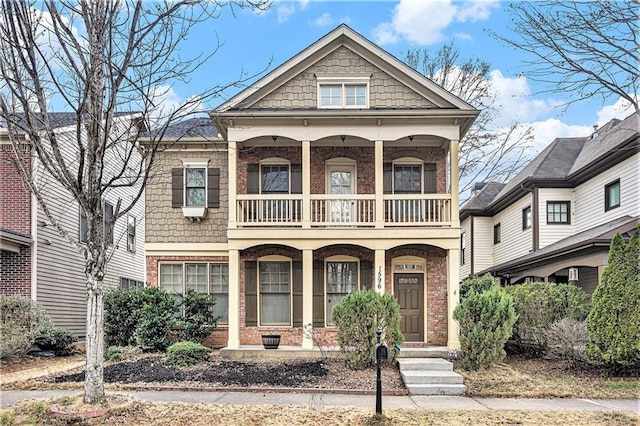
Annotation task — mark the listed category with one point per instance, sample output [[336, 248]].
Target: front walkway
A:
[[320, 400]]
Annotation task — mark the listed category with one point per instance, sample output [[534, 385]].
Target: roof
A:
[[57, 119], [599, 235], [481, 199], [193, 128]]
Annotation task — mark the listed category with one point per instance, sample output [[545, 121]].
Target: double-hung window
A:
[[342, 279], [275, 293], [612, 195], [526, 218], [195, 187], [558, 212], [107, 216], [497, 233], [343, 90], [463, 246], [131, 233]]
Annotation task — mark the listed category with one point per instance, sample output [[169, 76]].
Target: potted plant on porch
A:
[[270, 341]]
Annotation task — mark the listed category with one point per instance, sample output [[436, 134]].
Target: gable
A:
[[301, 91]]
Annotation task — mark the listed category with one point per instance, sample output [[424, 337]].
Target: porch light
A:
[[343, 137], [274, 137], [411, 138]]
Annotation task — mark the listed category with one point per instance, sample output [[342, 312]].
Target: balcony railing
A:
[[351, 210]]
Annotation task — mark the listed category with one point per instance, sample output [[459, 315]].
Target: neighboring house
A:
[[335, 172], [555, 220], [35, 260]]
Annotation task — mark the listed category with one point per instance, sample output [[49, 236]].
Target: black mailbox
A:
[[381, 352]]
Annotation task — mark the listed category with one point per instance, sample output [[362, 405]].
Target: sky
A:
[[252, 42]]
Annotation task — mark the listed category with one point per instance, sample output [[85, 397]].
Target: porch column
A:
[[379, 186], [234, 300], [455, 173], [306, 184], [453, 296], [232, 154], [307, 299], [379, 280]]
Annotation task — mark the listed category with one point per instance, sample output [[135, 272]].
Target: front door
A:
[[409, 292], [341, 182]]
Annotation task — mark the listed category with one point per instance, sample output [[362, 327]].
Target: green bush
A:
[[358, 317], [22, 321], [486, 322], [197, 321], [538, 305], [156, 319], [614, 320], [477, 284], [121, 316], [185, 353], [58, 340]]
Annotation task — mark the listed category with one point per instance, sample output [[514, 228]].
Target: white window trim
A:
[[197, 212], [356, 79], [275, 258], [337, 258]]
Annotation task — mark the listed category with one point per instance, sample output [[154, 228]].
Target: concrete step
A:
[[428, 352], [424, 364], [436, 389], [431, 378]]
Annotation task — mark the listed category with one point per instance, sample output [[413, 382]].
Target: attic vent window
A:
[[343, 91]]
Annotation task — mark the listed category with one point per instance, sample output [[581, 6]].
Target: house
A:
[[35, 260], [555, 220], [335, 172]]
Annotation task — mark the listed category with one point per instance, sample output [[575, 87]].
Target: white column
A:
[[453, 296], [379, 281], [454, 170], [307, 299], [234, 300], [233, 183], [306, 184], [379, 187]]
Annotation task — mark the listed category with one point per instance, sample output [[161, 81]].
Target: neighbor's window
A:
[[195, 185], [131, 233], [342, 279], [463, 246], [497, 233], [108, 215], [84, 231], [127, 284], [558, 212], [526, 218], [275, 293], [612, 195]]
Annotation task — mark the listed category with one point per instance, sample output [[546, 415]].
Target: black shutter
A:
[[296, 178], [430, 178], [213, 187], [251, 293], [318, 293], [366, 275], [253, 178], [297, 293], [177, 186], [387, 178]]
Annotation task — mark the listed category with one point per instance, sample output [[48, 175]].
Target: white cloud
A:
[[285, 12], [548, 130], [167, 101], [323, 20], [424, 22], [622, 108]]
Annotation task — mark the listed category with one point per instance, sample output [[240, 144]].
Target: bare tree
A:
[[99, 59], [586, 49], [487, 152]]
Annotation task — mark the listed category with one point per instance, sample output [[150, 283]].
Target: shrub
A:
[[156, 318], [477, 284], [185, 353], [614, 320], [486, 322], [22, 321], [198, 320], [121, 316], [358, 317], [58, 340], [567, 339], [538, 305]]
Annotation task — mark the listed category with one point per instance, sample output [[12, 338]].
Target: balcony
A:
[[347, 211]]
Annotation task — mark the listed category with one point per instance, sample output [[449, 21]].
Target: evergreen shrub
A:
[[197, 321], [22, 321], [185, 353], [477, 284]]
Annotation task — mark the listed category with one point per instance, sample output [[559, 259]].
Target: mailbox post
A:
[[381, 355]]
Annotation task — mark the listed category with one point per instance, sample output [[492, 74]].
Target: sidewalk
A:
[[319, 400]]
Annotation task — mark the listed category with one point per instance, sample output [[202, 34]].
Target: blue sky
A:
[[250, 40]]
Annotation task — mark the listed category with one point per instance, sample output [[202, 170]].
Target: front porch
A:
[[256, 352]]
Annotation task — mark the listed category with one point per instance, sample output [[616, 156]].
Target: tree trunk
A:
[[93, 382]]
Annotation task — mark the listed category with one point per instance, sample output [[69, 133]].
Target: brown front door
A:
[[409, 291]]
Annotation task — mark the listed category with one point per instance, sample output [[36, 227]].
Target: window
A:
[[127, 284], [342, 279], [463, 246], [275, 293], [526, 218], [612, 195], [219, 282], [558, 212], [497, 233], [131, 233], [355, 95], [106, 218], [203, 278], [337, 90], [407, 179], [275, 179], [84, 236], [331, 96], [195, 185]]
